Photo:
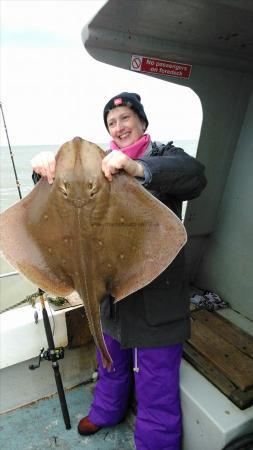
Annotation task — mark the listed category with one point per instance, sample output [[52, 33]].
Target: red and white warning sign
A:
[[160, 67]]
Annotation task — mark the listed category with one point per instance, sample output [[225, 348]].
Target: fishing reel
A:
[[48, 355]]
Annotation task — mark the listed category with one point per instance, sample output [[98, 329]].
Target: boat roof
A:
[[216, 33]]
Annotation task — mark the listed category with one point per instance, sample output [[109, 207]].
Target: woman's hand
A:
[[44, 164], [117, 160]]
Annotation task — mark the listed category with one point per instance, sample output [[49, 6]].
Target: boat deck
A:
[[40, 426]]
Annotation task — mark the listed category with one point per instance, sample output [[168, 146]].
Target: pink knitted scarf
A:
[[135, 150]]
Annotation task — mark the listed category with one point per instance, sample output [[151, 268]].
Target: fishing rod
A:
[[53, 354], [11, 153]]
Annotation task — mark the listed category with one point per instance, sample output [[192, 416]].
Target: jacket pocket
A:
[[167, 298]]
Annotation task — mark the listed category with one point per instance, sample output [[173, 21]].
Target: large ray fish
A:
[[86, 234]]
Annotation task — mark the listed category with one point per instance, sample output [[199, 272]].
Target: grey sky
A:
[[52, 90]]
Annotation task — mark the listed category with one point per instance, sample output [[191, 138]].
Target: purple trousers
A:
[[156, 375]]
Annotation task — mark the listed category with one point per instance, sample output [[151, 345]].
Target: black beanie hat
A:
[[129, 99]]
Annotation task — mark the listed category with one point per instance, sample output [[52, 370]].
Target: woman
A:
[[145, 332]]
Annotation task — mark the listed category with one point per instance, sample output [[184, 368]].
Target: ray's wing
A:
[[139, 238], [25, 249]]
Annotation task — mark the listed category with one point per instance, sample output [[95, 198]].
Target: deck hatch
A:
[[223, 353]]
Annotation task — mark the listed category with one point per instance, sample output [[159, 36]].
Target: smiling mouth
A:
[[124, 135]]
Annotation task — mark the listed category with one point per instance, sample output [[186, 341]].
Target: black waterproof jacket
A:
[[158, 314]]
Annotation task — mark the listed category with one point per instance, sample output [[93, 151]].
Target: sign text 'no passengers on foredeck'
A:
[[160, 67]]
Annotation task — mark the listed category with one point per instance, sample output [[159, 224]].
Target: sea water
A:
[[23, 154]]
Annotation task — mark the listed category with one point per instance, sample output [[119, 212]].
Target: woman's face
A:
[[125, 126]]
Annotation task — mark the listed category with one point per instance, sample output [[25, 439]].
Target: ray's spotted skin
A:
[[83, 233]]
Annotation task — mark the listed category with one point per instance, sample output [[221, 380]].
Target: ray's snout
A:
[[79, 177], [79, 180]]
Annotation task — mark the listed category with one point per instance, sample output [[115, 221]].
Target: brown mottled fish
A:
[[86, 234]]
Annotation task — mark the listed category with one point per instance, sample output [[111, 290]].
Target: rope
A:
[[57, 301], [29, 299]]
